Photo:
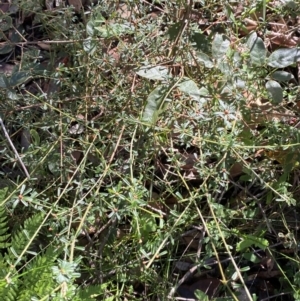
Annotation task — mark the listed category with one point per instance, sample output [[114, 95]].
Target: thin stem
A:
[[14, 149]]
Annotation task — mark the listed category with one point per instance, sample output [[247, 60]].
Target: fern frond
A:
[[22, 236], [8, 292], [4, 235], [37, 280]]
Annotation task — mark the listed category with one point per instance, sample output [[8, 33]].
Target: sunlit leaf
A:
[[201, 295], [275, 91], [284, 57], [154, 104], [35, 137], [190, 88], [250, 240], [154, 73], [204, 59], [90, 28], [89, 45], [257, 49], [282, 76], [220, 45]]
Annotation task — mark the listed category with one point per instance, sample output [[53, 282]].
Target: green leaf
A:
[[282, 76], [6, 48], [90, 28], [15, 36], [204, 59], [189, 87], [4, 83], [284, 57], [89, 45], [5, 22], [35, 137], [154, 104], [251, 257], [257, 48], [173, 31], [154, 73], [220, 45], [201, 42], [201, 295], [275, 91], [250, 240], [19, 78]]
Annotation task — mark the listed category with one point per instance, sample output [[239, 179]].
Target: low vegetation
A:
[[150, 150]]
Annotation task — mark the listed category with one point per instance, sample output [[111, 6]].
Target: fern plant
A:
[[30, 270]]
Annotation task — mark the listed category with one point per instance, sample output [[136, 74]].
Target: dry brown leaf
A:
[[78, 4], [236, 169], [281, 39], [44, 46], [193, 238]]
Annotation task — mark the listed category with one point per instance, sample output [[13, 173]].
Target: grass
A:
[[161, 141]]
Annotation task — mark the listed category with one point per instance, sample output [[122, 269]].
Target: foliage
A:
[[161, 139]]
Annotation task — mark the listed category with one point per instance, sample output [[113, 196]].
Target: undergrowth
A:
[[161, 142]]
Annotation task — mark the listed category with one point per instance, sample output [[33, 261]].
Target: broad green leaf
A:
[[5, 22], [284, 57], [190, 88], [19, 78], [99, 19], [204, 59], [4, 83], [251, 257], [201, 42], [251, 40], [90, 28], [173, 31], [282, 76], [35, 137], [203, 92], [275, 91], [250, 240], [154, 104], [220, 45], [154, 73], [257, 49], [15, 36], [89, 45], [201, 295], [6, 48], [225, 68]]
